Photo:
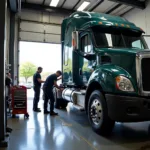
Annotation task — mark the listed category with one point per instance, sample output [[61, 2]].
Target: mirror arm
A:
[[80, 53], [86, 56]]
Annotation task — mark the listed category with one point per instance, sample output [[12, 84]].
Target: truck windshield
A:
[[112, 37]]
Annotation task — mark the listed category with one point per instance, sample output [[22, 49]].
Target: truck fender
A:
[[103, 79], [94, 85]]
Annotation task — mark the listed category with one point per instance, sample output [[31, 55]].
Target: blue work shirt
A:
[[36, 76], [49, 83]]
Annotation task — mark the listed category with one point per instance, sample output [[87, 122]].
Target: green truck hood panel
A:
[[123, 62], [123, 58], [106, 74]]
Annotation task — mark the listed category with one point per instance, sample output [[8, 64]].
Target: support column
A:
[[11, 44], [18, 50], [3, 12]]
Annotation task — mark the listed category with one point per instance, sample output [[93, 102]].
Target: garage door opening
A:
[[33, 55]]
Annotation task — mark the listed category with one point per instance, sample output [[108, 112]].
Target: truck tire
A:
[[98, 114], [63, 103]]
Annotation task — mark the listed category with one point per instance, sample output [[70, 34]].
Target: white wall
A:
[[140, 17]]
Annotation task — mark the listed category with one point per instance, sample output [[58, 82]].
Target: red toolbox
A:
[[19, 101]]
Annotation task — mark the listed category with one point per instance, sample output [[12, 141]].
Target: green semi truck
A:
[[105, 64]]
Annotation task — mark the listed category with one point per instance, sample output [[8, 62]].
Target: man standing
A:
[[37, 87], [48, 91]]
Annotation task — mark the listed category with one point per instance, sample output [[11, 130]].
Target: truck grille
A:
[[143, 72], [145, 69]]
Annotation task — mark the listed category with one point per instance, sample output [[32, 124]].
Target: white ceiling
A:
[[103, 7]]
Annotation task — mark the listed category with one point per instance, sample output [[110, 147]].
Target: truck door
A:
[[85, 65]]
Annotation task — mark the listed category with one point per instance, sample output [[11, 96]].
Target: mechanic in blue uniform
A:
[[37, 87], [48, 91]]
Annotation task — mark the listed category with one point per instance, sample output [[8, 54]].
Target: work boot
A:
[[46, 112], [53, 113], [8, 129], [36, 110]]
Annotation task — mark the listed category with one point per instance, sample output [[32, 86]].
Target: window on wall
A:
[[86, 44]]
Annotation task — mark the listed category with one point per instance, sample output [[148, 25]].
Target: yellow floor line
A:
[[84, 139], [65, 124]]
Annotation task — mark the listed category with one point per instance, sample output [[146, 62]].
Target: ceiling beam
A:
[[45, 8], [76, 4], [63, 3], [96, 5], [126, 12], [133, 3], [43, 3], [114, 8]]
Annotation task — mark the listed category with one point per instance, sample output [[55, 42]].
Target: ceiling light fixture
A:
[[83, 6], [54, 3]]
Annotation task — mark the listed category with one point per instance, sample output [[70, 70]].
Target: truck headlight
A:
[[124, 84]]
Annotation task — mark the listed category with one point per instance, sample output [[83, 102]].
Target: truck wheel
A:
[[98, 114], [59, 102], [63, 103]]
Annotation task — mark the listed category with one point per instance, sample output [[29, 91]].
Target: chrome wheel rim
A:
[[96, 112]]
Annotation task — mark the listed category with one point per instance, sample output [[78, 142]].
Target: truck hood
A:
[[123, 58]]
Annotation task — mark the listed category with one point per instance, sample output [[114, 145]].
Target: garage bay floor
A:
[[71, 131]]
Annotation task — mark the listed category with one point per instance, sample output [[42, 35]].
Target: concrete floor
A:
[[71, 131]]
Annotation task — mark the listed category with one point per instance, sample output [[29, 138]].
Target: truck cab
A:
[[105, 69]]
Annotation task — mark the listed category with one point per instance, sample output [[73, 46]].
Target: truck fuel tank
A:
[[69, 95], [77, 97]]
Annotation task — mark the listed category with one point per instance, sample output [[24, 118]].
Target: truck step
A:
[[78, 107], [81, 92]]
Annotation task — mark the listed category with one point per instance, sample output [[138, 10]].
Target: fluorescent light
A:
[[83, 6], [54, 3]]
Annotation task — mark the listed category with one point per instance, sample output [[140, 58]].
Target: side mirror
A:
[[90, 56], [75, 40]]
